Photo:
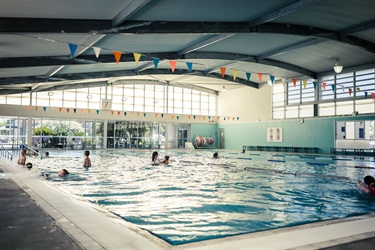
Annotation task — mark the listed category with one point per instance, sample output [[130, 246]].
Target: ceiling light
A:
[[124, 99], [337, 68], [89, 97], [224, 89], [50, 93]]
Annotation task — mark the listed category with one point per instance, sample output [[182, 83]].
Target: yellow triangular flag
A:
[[234, 72], [304, 83], [137, 56]]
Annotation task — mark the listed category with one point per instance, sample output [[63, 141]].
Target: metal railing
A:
[[5, 152]]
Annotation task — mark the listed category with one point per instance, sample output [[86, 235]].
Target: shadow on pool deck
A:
[[24, 225]]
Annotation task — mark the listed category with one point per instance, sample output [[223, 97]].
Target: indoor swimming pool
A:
[[196, 197]]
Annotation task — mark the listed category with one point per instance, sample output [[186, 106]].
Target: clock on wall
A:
[[106, 104]]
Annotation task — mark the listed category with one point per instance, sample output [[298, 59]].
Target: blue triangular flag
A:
[[144, 114], [125, 113], [97, 111], [44, 108], [190, 66], [248, 75], [272, 79], [366, 94], [75, 111], [314, 85], [333, 87], [162, 115], [73, 48], [156, 62]]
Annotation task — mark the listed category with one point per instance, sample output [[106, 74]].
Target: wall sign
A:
[[106, 104], [274, 134]]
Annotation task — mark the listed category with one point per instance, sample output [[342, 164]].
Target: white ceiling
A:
[[285, 38]]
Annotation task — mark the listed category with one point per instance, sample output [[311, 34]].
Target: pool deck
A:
[[37, 215]]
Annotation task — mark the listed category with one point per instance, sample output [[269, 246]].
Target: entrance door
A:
[[182, 138], [221, 138]]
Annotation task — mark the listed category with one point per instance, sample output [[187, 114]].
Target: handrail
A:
[[5, 152]]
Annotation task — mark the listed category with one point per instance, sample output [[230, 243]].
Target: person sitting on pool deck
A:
[[86, 159], [155, 160], [216, 155], [63, 172], [368, 186]]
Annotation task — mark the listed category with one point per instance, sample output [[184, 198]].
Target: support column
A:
[[105, 128], [29, 137]]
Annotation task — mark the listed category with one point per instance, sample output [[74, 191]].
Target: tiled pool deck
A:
[[74, 224]]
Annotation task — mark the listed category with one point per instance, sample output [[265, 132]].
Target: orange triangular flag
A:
[[173, 65], [117, 55], [81, 110], [137, 56], [36, 107], [350, 91], [234, 72], [260, 76], [112, 112], [156, 115], [294, 81], [222, 70], [324, 85], [88, 111], [60, 109], [67, 110], [28, 107], [118, 112]]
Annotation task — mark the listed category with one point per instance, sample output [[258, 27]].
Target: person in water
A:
[[63, 172], [86, 159], [368, 186], [215, 155], [166, 160], [22, 158], [155, 159]]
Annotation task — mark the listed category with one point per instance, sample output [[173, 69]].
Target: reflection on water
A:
[[197, 198]]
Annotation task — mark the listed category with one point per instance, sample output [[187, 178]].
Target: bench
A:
[[353, 151], [291, 149]]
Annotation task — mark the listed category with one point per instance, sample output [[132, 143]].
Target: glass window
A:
[[82, 101], [3, 99], [14, 99], [344, 85], [25, 99], [344, 108], [365, 106], [117, 103], [308, 91], [306, 110], [56, 98], [326, 109], [291, 112], [42, 99], [278, 113], [70, 98]]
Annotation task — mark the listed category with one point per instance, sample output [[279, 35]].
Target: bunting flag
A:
[[294, 80], [125, 113], [137, 56], [88, 111], [73, 48], [304, 83], [324, 85], [222, 70], [36, 108], [350, 91], [162, 115], [260, 75], [190, 66], [238, 118], [117, 55], [75, 111], [172, 117], [232, 118], [172, 63], [138, 114], [144, 114], [248, 75], [60, 109], [272, 78], [234, 72], [112, 112], [189, 117], [358, 89], [373, 96], [44, 108], [315, 83], [67, 110], [209, 118], [81, 110], [118, 113], [156, 115], [177, 117], [204, 118], [96, 51], [97, 111], [194, 117], [366, 94], [156, 62], [28, 107], [225, 119], [333, 87]]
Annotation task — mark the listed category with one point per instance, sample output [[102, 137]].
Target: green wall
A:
[[314, 132]]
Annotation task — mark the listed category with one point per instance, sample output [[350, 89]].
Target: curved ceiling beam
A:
[[129, 10]]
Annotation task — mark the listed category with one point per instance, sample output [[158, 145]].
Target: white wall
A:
[[247, 103]]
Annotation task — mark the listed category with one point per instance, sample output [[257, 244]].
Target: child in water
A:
[[368, 186], [166, 160], [155, 160], [86, 159], [63, 172], [22, 158]]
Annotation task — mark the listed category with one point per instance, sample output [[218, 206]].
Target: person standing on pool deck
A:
[[368, 186], [86, 159], [155, 160]]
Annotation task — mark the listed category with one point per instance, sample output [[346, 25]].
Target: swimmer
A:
[[29, 166], [368, 186], [63, 172], [22, 158], [215, 155], [86, 159], [166, 159], [46, 154], [155, 160]]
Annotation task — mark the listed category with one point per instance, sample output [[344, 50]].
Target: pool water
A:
[[197, 198]]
